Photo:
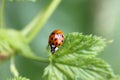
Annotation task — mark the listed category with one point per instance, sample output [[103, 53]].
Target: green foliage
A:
[[20, 78], [81, 44], [12, 41], [76, 60]]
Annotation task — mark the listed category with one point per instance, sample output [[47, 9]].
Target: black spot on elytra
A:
[[62, 40], [53, 33], [51, 38], [56, 43], [55, 39], [59, 44]]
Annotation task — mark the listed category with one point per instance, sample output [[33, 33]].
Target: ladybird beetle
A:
[[56, 39]]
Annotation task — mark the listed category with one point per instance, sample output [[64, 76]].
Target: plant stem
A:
[[37, 58], [31, 55], [35, 26], [2, 14], [13, 68]]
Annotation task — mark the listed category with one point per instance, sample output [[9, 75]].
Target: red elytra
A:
[[56, 39]]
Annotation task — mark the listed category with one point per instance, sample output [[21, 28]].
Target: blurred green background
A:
[[98, 17]]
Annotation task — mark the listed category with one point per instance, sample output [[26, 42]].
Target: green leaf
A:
[[12, 42], [79, 69], [76, 60], [20, 78], [81, 44]]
